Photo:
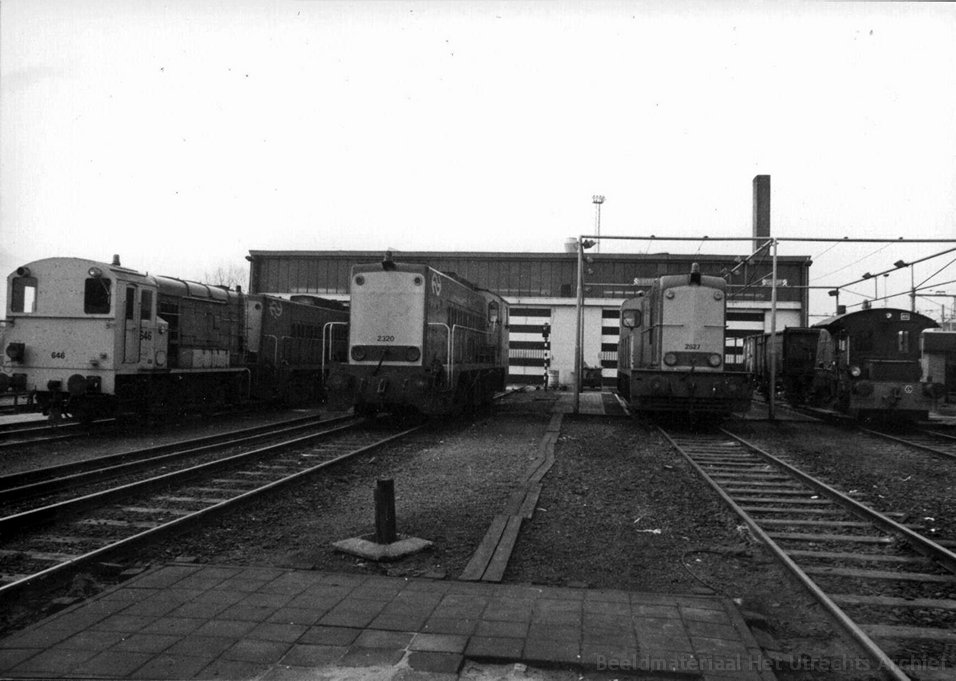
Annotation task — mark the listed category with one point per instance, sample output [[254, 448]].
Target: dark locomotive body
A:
[[864, 364], [420, 340], [671, 349], [94, 339]]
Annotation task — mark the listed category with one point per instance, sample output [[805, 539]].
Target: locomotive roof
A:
[[874, 313], [167, 285], [420, 268], [669, 280]]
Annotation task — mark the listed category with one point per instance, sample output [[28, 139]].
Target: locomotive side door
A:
[[130, 325], [149, 338]]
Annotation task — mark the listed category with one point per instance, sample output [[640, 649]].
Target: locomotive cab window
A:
[[146, 305], [903, 341], [96, 296], [24, 295], [130, 302], [631, 319]]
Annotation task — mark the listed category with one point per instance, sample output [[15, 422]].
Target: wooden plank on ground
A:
[[530, 502], [499, 561], [482, 555]]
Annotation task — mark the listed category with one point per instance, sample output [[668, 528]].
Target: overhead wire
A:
[[869, 255]]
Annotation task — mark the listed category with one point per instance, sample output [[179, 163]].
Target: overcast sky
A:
[[182, 134]]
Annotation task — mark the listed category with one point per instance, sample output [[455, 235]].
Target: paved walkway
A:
[[590, 402], [185, 621]]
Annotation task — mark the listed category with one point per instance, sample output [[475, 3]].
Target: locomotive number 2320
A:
[[386, 339]]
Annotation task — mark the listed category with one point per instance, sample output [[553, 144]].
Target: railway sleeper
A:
[[796, 536], [922, 577], [897, 632], [846, 555], [896, 602]]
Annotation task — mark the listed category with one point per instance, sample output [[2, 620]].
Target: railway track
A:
[[891, 588], [32, 433], [33, 487], [924, 439], [56, 539]]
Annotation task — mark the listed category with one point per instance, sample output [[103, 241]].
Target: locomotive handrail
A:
[[448, 348], [451, 357], [328, 327], [275, 343]]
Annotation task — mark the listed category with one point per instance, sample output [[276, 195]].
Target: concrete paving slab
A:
[[289, 625]]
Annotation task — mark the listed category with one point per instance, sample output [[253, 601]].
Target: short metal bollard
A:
[[385, 532]]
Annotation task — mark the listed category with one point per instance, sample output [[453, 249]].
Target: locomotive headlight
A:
[[670, 359], [714, 360], [16, 351], [855, 371], [359, 280], [76, 384], [412, 354], [358, 353], [718, 295], [669, 295], [95, 272]]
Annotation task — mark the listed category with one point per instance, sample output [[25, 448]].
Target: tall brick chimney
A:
[[761, 210]]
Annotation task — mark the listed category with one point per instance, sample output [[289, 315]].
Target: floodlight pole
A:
[[597, 200]]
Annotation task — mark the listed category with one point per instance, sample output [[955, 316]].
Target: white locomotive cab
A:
[[388, 319]]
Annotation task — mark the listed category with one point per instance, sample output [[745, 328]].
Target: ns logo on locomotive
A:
[[92, 339]]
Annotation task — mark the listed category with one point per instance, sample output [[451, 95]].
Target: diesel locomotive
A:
[[864, 364], [671, 349], [90, 339], [420, 341]]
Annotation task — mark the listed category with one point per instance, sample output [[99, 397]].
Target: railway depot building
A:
[[542, 289]]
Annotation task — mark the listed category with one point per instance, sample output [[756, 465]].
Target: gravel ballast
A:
[[619, 509]]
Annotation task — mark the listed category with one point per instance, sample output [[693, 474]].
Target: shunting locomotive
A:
[[420, 340], [865, 364], [91, 339], [671, 349]]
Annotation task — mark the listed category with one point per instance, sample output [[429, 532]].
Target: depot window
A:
[[97, 296], [24, 295]]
